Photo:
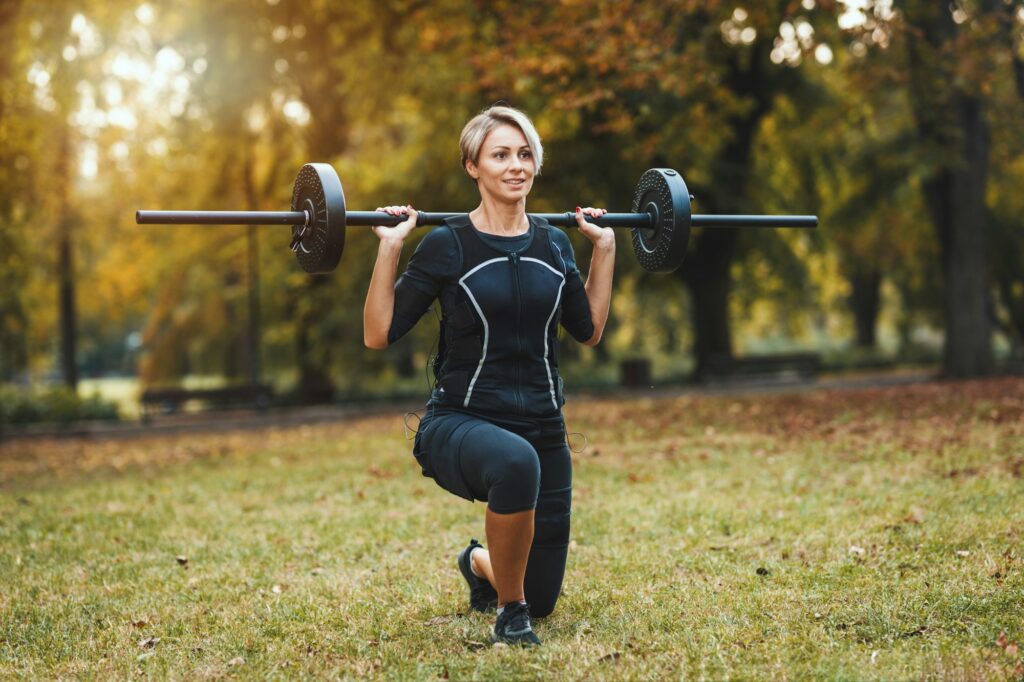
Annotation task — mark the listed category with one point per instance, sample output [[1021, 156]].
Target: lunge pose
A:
[[493, 428]]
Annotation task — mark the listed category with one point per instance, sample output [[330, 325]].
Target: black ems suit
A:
[[493, 428]]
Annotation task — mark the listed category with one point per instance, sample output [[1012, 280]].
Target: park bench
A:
[[170, 400], [724, 367]]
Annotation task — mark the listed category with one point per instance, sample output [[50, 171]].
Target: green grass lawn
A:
[[862, 534]]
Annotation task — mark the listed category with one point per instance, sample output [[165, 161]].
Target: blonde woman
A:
[[493, 430]]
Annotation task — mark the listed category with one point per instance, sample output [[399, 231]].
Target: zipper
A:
[[513, 258]]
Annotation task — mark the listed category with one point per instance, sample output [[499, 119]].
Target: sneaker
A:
[[513, 626], [482, 595]]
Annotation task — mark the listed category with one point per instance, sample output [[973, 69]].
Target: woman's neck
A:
[[494, 217]]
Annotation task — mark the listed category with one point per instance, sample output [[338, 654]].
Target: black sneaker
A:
[[482, 595], [513, 626]]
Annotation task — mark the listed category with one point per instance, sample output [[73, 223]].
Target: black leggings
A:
[[514, 464]]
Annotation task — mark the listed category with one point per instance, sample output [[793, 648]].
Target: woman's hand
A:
[[603, 238], [380, 298], [400, 231]]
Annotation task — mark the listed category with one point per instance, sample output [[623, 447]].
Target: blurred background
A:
[[900, 123]]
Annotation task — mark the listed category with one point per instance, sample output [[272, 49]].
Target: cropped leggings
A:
[[514, 464]]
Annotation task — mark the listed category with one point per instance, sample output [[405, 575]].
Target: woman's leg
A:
[[545, 570], [509, 537], [503, 467]]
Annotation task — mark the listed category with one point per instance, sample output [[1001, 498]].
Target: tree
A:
[[950, 67]]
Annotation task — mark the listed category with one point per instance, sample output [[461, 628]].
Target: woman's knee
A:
[[514, 480], [520, 465]]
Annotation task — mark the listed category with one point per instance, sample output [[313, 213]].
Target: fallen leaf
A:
[[1001, 640], [277, 589], [377, 472], [854, 549], [182, 560], [962, 553], [237, 660], [1011, 650], [915, 516], [317, 571], [613, 656], [142, 657], [140, 623], [437, 620], [148, 642], [761, 570]]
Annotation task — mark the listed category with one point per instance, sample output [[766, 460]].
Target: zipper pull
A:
[[514, 259]]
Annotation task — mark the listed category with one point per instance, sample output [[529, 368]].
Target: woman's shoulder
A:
[[559, 239], [561, 246], [439, 238], [438, 255]]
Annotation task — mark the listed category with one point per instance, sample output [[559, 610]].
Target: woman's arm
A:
[[602, 267], [380, 297]]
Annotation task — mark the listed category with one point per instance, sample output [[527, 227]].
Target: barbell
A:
[[661, 219]]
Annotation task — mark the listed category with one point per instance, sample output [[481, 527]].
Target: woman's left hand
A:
[[601, 237]]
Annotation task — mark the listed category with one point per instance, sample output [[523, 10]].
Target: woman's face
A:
[[506, 167]]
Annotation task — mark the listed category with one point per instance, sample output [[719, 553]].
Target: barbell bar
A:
[[424, 218], [661, 219]]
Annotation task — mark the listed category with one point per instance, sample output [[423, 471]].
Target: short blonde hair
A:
[[480, 126]]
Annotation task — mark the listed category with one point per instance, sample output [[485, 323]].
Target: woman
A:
[[493, 429]]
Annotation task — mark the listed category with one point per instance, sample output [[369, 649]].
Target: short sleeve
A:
[[575, 305], [435, 261]]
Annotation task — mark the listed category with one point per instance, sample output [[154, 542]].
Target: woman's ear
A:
[[472, 169]]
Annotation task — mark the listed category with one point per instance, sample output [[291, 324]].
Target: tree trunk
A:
[[950, 119], [706, 274], [956, 201], [66, 268], [315, 386], [865, 301]]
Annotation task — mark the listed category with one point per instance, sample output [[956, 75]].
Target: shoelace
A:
[[519, 621]]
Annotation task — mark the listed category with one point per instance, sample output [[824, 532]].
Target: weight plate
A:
[[662, 193], [318, 191]]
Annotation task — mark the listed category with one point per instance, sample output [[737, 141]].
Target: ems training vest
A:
[[497, 348]]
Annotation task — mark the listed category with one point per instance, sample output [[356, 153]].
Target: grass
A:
[[860, 534]]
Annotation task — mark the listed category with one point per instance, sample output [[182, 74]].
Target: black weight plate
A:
[[318, 190], [662, 193]]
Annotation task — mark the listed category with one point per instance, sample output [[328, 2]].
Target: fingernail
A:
[[578, 209]]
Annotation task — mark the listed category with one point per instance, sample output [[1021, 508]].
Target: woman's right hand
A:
[[400, 231]]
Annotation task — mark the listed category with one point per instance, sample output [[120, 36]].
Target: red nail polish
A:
[[578, 209]]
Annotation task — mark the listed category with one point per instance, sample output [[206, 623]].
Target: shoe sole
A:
[[514, 642]]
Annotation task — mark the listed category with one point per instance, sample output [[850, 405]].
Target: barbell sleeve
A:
[[702, 220], [220, 217]]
